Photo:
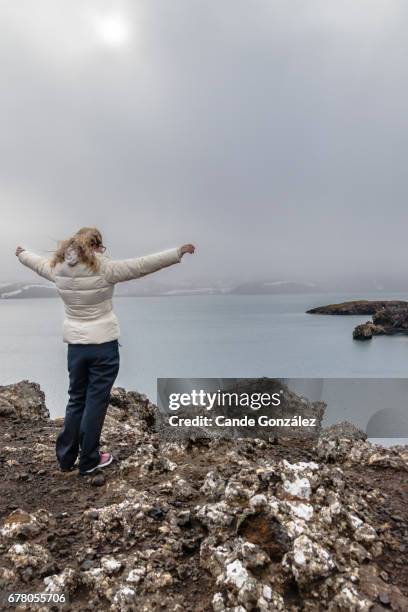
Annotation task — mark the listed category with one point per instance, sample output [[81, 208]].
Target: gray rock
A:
[[98, 480], [344, 430], [23, 401]]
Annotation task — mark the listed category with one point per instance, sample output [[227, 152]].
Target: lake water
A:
[[202, 336]]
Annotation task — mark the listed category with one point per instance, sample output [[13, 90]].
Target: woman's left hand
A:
[[187, 248], [19, 250]]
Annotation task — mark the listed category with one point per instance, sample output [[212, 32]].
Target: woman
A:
[[85, 280]]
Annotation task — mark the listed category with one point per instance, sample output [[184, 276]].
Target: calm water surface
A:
[[202, 336]]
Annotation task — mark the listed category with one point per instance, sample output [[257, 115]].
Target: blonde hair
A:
[[84, 242]]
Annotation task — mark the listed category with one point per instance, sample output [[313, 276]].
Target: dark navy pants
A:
[[92, 371]]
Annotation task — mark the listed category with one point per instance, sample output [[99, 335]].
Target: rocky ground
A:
[[200, 524]]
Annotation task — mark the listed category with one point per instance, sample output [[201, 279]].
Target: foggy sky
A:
[[271, 133]]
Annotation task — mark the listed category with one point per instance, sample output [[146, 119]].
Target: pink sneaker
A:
[[105, 460]]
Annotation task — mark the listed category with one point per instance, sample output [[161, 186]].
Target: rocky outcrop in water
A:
[[388, 321], [365, 331], [389, 316], [200, 524], [358, 307], [392, 319]]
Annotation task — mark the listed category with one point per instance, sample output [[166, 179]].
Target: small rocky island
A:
[[389, 316], [200, 524]]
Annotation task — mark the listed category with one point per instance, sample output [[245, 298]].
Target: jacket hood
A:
[[71, 256]]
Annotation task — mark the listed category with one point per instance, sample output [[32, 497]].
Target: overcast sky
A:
[[271, 133]]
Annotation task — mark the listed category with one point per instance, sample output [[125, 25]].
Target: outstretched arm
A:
[[38, 264], [129, 269]]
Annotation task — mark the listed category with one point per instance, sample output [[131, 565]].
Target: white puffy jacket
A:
[[87, 295]]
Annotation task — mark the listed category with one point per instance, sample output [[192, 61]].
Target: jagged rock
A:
[[99, 582], [236, 576], [7, 577], [218, 603], [124, 600], [253, 556], [392, 318], [32, 557], [216, 515], [365, 331], [134, 404], [65, 582], [22, 524], [23, 401], [123, 516], [362, 531], [98, 480], [348, 599], [147, 460], [359, 451], [258, 502], [135, 575], [111, 565], [213, 485], [297, 478], [343, 430], [308, 560]]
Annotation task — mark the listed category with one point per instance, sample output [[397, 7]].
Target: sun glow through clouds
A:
[[113, 30]]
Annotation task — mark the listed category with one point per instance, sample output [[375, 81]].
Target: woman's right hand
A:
[[19, 250], [187, 248]]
